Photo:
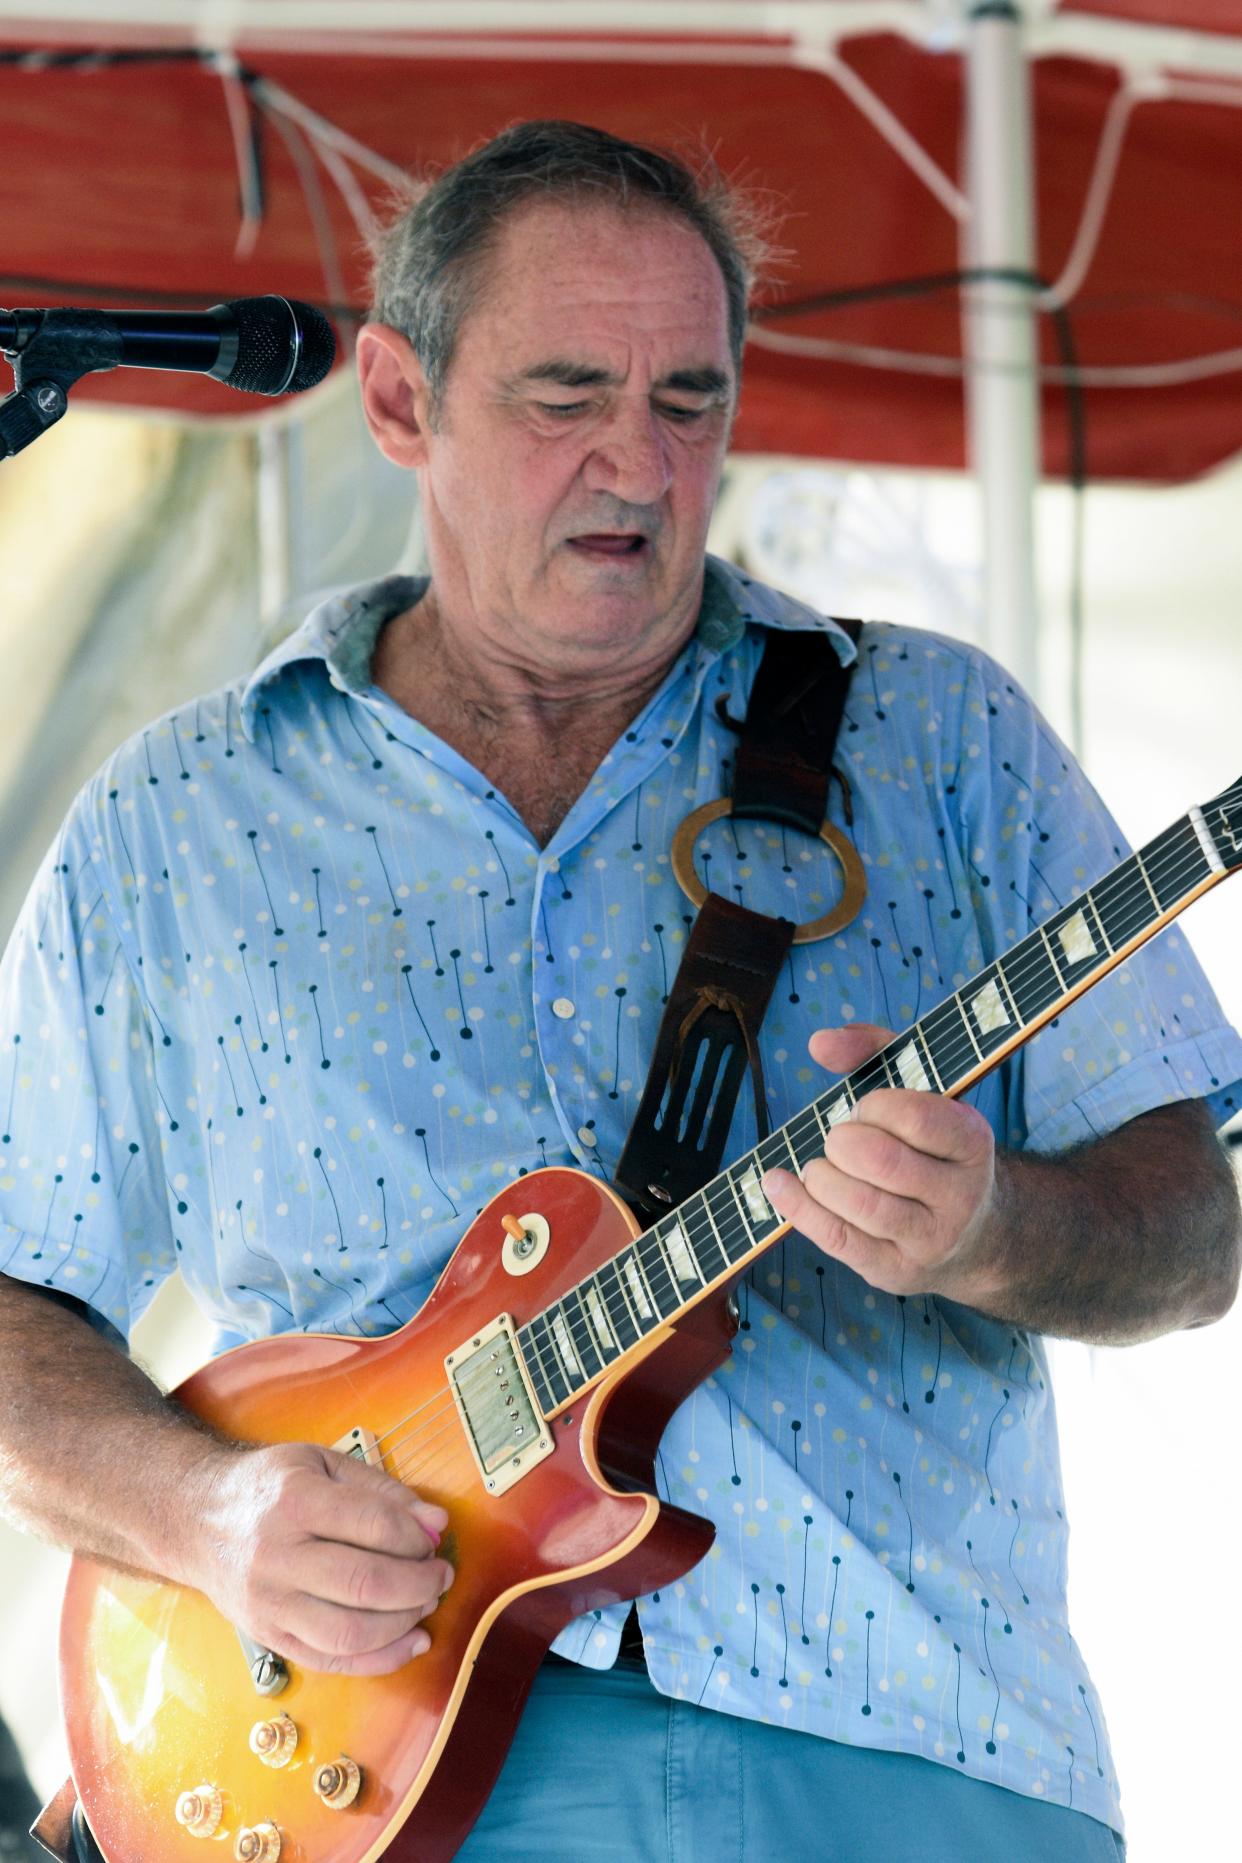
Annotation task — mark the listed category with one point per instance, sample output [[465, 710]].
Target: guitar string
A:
[[1107, 892], [733, 1223]]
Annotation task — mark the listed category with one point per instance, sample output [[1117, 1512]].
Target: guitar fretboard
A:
[[713, 1233]]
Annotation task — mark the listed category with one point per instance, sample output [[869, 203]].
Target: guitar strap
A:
[[708, 1038]]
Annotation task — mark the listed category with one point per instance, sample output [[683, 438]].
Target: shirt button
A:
[[563, 1008], [586, 1136]]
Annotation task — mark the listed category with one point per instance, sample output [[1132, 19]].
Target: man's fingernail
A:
[[449, 1576], [775, 1183], [420, 1643]]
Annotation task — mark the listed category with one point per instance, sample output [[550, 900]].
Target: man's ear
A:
[[394, 394]]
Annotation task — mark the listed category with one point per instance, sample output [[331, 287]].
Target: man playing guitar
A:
[[398, 934]]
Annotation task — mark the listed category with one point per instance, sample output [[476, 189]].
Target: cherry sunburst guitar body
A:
[[156, 1688]]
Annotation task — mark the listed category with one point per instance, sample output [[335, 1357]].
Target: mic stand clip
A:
[[53, 350]]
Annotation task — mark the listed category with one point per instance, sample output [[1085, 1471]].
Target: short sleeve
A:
[[1151, 1031], [83, 1205]]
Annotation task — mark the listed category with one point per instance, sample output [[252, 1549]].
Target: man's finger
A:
[[948, 1130], [868, 1256], [337, 1630], [843, 1049], [362, 1506], [862, 1205], [367, 1581], [380, 1661]]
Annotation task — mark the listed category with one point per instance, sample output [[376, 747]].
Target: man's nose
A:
[[632, 458]]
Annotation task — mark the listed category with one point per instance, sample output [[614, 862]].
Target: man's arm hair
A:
[[81, 1422], [1123, 1238]]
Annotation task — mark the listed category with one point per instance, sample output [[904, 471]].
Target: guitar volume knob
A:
[[199, 1812], [338, 1783], [274, 1741], [258, 1845]]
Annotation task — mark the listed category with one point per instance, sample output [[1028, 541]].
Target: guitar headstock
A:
[[1223, 815]]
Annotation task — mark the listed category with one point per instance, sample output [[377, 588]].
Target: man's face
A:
[[569, 477]]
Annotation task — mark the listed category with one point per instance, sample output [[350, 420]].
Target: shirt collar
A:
[[341, 630]]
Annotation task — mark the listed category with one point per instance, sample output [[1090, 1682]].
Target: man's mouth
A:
[[610, 543]]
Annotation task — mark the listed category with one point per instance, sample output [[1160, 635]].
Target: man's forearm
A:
[[92, 1456], [1129, 1236], [326, 1559]]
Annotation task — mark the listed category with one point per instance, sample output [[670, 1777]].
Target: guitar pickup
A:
[[497, 1406]]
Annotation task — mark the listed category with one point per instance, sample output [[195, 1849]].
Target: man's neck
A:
[[537, 734]]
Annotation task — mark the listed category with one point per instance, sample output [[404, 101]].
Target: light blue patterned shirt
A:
[[296, 992]]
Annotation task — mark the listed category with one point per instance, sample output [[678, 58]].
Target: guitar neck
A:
[[708, 1238]]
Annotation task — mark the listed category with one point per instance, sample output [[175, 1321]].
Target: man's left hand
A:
[[905, 1193]]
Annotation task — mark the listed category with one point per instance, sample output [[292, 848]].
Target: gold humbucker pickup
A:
[[496, 1402]]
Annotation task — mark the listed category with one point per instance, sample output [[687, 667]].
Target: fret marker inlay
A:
[[756, 1202], [635, 1282], [680, 1254], [565, 1345], [1210, 849], [599, 1320], [911, 1068], [989, 1011], [1076, 940]]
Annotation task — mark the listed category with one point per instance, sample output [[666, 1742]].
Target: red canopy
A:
[[123, 182]]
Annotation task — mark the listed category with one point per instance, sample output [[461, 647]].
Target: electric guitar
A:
[[528, 1397]]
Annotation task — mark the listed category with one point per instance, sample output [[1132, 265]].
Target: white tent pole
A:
[[1000, 338]]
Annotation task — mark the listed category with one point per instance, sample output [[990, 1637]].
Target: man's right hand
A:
[[323, 1559]]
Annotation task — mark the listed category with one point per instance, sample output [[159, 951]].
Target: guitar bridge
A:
[[496, 1402]]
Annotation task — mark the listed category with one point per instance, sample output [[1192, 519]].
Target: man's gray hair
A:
[[429, 260]]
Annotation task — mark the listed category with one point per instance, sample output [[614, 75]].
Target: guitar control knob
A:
[[338, 1783], [260, 1845], [274, 1741], [199, 1812]]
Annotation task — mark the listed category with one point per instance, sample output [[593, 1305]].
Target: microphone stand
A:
[[53, 350]]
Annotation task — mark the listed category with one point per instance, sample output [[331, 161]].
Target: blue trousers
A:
[[603, 1767]]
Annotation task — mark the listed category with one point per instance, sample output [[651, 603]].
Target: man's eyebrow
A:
[[568, 374], [705, 381], [565, 374]]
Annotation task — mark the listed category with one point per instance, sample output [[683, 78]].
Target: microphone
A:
[[264, 346]]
